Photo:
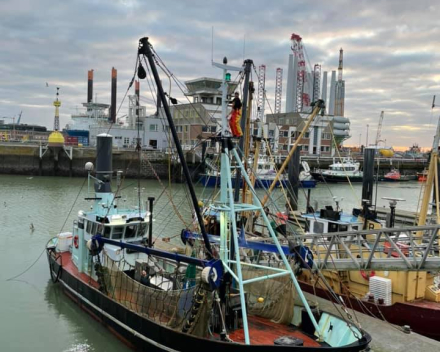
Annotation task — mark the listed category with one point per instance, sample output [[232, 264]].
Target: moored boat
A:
[[160, 300], [340, 171], [395, 176]]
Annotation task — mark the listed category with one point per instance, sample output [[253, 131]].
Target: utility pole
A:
[[366, 144]]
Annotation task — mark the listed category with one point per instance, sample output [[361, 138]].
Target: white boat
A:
[[341, 171]]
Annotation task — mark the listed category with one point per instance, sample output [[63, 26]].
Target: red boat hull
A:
[[422, 316]]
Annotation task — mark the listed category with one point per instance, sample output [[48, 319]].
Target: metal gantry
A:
[[316, 82], [396, 249], [229, 233], [261, 92], [278, 90]]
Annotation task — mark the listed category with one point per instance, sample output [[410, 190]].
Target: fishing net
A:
[[271, 298], [182, 309], [189, 309]]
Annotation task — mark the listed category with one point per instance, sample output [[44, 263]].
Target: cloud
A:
[[391, 61]]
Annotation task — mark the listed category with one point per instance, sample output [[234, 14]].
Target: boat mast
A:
[[145, 49], [429, 180], [247, 70]]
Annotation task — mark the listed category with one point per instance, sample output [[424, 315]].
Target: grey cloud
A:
[[389, 60]]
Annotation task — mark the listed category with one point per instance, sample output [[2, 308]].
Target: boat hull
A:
[[423, 317], [145, 335], [213, 181], [335, 178]]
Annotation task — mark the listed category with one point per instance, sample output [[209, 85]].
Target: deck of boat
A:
[[262, 331]]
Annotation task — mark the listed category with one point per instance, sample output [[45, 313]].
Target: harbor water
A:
[[35, 315]]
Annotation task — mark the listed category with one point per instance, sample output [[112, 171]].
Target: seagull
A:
[[47, 84], [4, 204], [32, 226]]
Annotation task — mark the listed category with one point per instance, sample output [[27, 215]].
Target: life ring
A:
[[75, 241], [367, 276]]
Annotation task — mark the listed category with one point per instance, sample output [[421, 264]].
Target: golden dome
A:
[[56, 139]]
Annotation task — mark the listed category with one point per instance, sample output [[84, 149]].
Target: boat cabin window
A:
[[332, 227], [318, 227], [142, 229], [107, 230], [89, 227], [343, 228], [117, 232], [354, 228], [130, 231]]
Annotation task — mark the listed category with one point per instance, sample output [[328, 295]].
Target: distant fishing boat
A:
[[422, 176], [340, 171], [395, 176], [264, 176]]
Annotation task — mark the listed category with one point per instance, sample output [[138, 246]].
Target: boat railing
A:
[[400, 249]]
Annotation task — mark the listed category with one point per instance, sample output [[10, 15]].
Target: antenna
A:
[[244, 45], [212, 44]]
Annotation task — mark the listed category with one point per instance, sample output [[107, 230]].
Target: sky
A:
[[391, 53]]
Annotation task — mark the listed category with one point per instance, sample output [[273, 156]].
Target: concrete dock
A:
[[385, 336]]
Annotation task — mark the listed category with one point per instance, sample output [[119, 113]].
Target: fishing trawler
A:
[[157, 299], [264, 176]]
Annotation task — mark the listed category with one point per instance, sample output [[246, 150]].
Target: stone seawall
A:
[[25, 160]]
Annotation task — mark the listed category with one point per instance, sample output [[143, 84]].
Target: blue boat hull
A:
[[212, 181]]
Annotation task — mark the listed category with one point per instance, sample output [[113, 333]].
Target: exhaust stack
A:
[[113, 96], [103, 163], [90, 86]]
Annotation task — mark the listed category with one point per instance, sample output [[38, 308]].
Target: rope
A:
[[44, 249]]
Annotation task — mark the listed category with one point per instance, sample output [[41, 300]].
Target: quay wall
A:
[[25, 160]]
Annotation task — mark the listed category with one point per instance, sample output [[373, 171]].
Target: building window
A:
[[327, 149], [153, 143], [306, 148], [322, 148], [126, 140], [204, 128], [153, 128], [271, 133], [186, 128], [285, 147], [219, 101], [213, 128], [285, 133], [307, 135]]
